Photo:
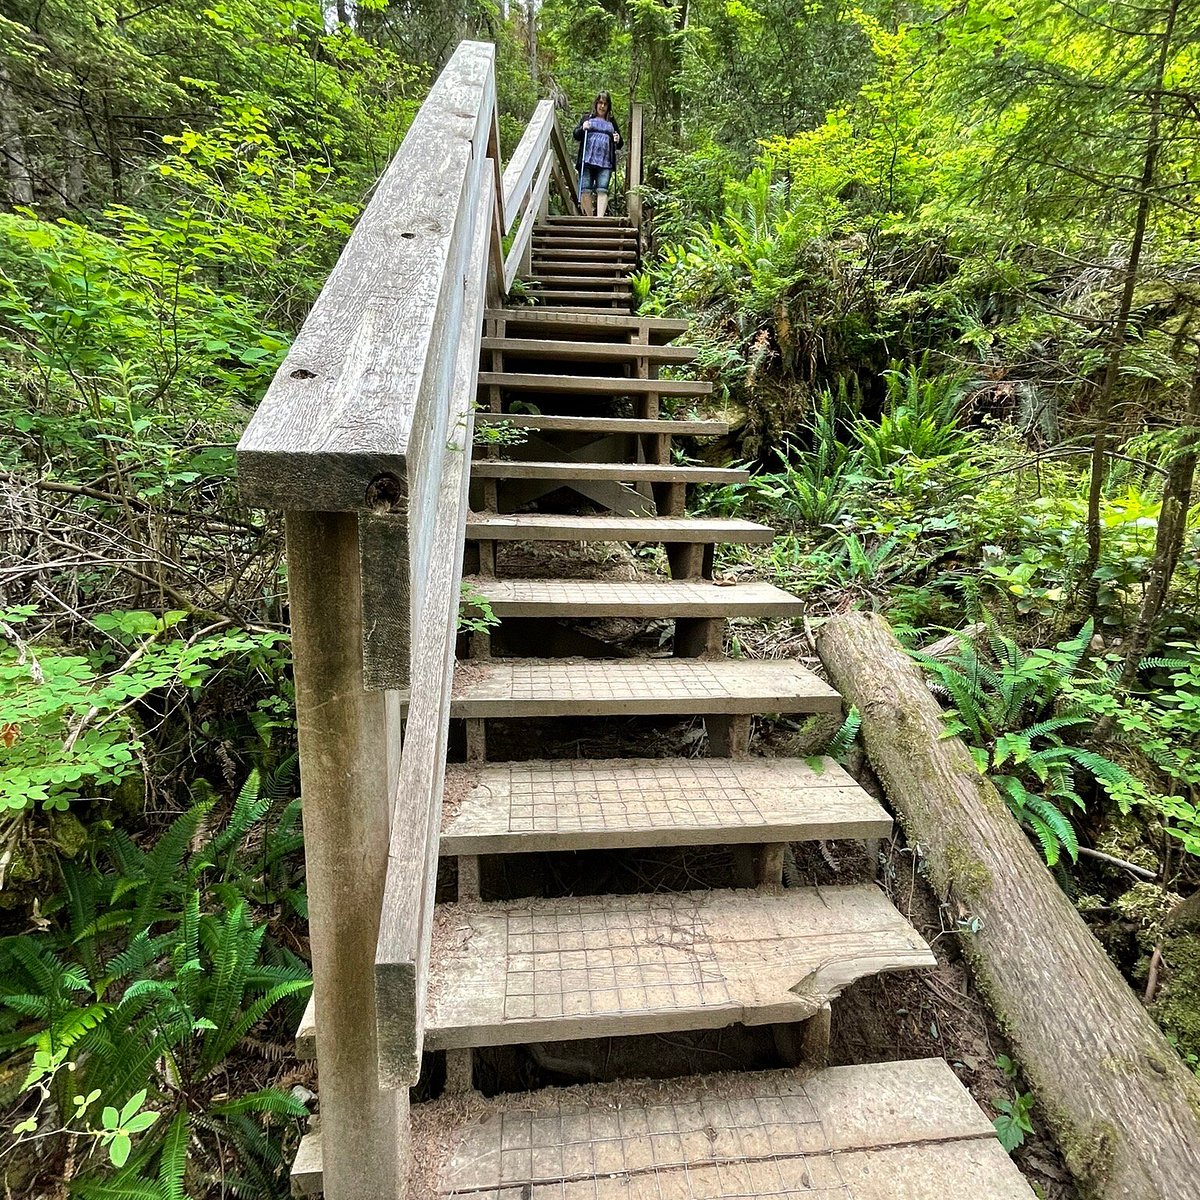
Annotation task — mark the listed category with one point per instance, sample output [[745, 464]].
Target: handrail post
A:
[[349, 742], [633, 170]]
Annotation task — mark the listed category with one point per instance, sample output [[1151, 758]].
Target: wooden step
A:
[[883, 1131], [561, 349], [613, 966], [548, 254], [590, 598], [503, 468], [571, 241], [555, 268], [592, 385], [597, 687], [583, 283], [558, 220], [519, 807], [591, 230], [664, 328], [585, 302], [552, 423], [556, 527]]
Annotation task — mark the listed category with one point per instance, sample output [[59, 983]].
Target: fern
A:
[[150, 979], [1004, 708], [839, 745]]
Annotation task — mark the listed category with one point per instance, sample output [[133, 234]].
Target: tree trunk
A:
[[1112, 368], [1172, 526], [12, 146], [1124, 1109]]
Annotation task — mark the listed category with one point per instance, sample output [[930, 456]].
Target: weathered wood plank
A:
[[401, 956], [509, 808], [662, 327], [615, 966], [529, 155], [562, 350], [520, 243], [503, 468], [307, 1175], [552, 527], [592, 385], [592, 598], [542, 687], [346, 407], [636, 1139], [600, 426], [345, 736]]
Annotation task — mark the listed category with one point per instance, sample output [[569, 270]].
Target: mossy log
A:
[[1119, 1100]]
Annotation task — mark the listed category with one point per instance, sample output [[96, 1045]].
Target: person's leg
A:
[[587, 188], [604, 176]]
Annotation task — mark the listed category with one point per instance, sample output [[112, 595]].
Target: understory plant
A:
[[1015, 712], [127, 1011]]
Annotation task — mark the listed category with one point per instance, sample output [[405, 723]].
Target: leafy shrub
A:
[[72, 725], [149, 974]]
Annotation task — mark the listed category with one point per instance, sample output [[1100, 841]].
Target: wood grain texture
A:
[[885, 1131], [566, 472], [531, 687], [554, 423], [566, 165], [556, 970], [518, 251], [401, 955], [592, 385], [553, 527], [345, 734], [1123, 1107], [347, 404], [636, 598], [565, 351], [518, 317], [532, 150], [511, 808]]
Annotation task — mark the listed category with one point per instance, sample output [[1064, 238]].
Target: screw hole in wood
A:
[[384, 493]]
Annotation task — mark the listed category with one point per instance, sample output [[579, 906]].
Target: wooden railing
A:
[[633, 171], [364, 440], [541, 158]]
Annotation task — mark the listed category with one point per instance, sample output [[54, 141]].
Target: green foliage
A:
[[1158, 725], [1014, 1121], [1004, 705], [475, 613], [149, 975], [72, 722]]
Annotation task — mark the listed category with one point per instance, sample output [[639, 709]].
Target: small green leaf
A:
[[118, 1150]]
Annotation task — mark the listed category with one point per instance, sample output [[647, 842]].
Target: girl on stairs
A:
[[599, 140]]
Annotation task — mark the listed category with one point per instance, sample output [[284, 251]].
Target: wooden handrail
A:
[[364, 440], [539, 158], [402, 951]]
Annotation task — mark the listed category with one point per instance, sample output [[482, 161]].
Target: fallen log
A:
[[1119, 1100]]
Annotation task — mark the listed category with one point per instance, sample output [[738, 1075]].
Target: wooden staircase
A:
[[518, 972], [443, 979], [583, 264]]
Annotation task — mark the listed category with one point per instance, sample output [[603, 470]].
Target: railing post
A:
[[633, 170], [349, 741]]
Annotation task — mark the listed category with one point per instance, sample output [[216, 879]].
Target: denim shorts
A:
[[594, 179]]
